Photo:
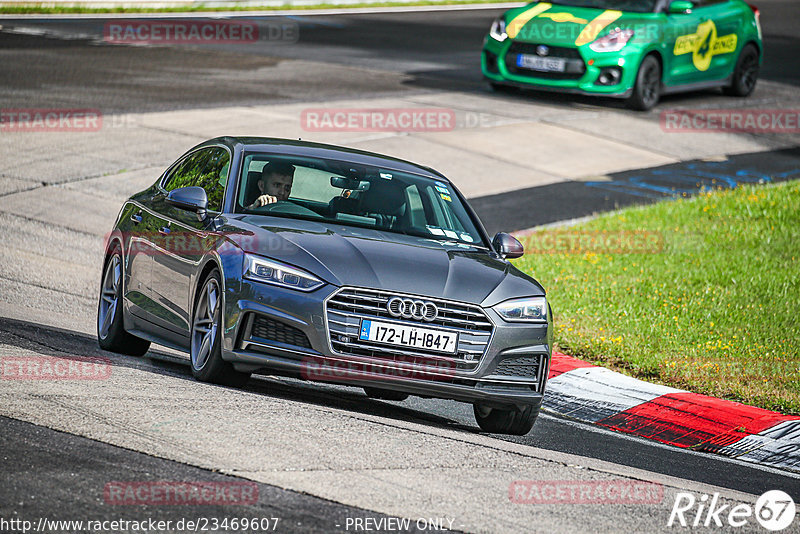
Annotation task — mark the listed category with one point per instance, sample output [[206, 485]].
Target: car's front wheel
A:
[[111, 334], [512, 420], [206, 342], [745, 75], [647, 90]]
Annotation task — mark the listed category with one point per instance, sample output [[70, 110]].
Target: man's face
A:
[[276, 185]]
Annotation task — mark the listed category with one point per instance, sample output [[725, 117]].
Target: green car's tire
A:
[[745, 75], [647, 90]]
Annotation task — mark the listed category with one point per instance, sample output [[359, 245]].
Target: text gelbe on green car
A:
[[632, 49]]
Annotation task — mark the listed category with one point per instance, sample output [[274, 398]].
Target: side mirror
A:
[[679, 7], [192, 198], [507, 245]]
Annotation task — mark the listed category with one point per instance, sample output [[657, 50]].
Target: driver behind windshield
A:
[[275, 183]]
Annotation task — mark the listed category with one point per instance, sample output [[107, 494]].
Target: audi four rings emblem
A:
[[412, 309]]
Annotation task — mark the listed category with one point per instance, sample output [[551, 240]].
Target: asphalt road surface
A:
[[60, 445]]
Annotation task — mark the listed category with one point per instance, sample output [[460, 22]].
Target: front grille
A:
[[575, 67], [346, 308], [527, 367], [270, 330]]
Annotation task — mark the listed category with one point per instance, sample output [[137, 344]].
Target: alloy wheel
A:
[[109, 296], [206, 324]]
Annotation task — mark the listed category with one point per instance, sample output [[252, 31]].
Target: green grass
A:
[[714, 308], [34, 8]]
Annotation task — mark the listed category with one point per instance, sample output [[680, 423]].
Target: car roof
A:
[[298, 147]]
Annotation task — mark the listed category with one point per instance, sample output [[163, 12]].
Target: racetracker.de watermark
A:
[[378, 120], [393, 370], [50, 120], [565, 241], [584, 492], [54, 368], [731, 121], [199, 32], [162, 492]]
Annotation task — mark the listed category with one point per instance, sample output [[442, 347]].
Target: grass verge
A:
[[701, 294], [40, 9]]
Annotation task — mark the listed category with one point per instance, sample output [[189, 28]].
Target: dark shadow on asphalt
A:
[[62, 477], [569, 200], [51, 341]]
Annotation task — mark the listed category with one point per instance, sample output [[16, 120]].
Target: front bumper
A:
[[281, 331], [586, 66]]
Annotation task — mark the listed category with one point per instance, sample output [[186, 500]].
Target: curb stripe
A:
[[596, 393], [561, 363], [583, 391], [690, 420]]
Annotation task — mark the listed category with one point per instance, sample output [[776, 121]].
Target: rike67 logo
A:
[[774, 510]]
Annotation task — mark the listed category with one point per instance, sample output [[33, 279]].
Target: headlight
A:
[[525, 310], [498, 30], [613, 42], [280, 274]]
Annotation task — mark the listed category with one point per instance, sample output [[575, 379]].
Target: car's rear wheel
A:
[[647, 90], [206, 342], [511, 420], [385, 394], [745, 75], [111, 334]]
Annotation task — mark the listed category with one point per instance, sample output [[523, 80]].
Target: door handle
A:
[[136, 218], [164, 230]]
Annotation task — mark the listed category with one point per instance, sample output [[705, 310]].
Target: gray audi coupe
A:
[[272, 256]]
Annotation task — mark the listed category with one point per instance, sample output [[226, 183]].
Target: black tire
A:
[[206, 342], [385, 394], [505, 421], [647, 90], [111, 334], [745, 75]]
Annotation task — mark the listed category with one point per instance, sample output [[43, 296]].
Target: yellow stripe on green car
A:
[[598, 24], [516, 24]]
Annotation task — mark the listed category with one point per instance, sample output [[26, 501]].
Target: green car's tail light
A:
[[280, 274], [613, 42], [524, 310], [498, 30]]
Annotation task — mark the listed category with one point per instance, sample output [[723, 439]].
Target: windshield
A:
[[635, 6], [353, 195]]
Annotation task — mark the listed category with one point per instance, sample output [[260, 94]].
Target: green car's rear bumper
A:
[[499, 58]]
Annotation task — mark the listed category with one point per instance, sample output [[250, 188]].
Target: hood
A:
[[567, 26], [351, 256]]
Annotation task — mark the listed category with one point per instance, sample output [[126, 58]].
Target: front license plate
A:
[[545, 64], [409, 336]]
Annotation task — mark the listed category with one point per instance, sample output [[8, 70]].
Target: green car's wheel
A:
[[647, 90], [111, 334], [206, 345], [509, 421], [745, 75]]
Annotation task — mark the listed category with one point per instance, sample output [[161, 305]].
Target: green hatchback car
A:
[[632, 49]]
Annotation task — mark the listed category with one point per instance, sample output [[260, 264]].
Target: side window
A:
[[207, 168]]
